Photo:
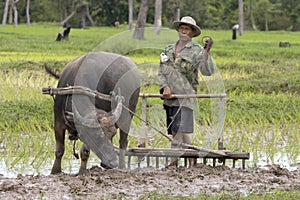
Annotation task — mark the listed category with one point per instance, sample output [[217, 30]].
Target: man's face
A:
[[185, 32]]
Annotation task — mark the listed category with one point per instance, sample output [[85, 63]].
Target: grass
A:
[[261, 81]]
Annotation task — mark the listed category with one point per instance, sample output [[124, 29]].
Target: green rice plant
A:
[[291, 137], [261, 81]]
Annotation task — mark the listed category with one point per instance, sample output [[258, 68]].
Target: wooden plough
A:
[[216, 155], [187, 151]]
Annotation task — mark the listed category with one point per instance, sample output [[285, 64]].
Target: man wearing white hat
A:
[[178, 74]]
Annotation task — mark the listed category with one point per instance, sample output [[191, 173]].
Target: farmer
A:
[[234, 30], [178, 74]]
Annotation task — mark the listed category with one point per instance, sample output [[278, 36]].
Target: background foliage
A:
[[210, 14]]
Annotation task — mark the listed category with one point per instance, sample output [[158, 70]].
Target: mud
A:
[[138, 183]]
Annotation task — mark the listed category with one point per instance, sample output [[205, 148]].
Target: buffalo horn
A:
[[88, 122], [111, 119]]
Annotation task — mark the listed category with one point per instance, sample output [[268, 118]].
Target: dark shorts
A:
[[179, 119]]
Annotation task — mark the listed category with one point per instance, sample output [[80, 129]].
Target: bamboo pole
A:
[[184, 96]]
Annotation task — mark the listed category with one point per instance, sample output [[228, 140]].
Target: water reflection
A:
[[72, 166]]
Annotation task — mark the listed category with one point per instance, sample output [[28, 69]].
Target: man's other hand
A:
[[167, 93]]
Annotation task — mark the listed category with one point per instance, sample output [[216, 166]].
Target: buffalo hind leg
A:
[[123, 146], [84, 156], [60, 149]]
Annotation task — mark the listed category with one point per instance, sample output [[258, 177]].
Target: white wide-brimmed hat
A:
[[188, 21]]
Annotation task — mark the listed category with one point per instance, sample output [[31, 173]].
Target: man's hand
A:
[[208, 42], [167, 93]]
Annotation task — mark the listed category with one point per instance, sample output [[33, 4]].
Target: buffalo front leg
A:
[[123, 146], [60, 149], [84, 156]]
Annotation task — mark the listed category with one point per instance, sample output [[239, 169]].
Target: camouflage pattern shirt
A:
[[180, 71]]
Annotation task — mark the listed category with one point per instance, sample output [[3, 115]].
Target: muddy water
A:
[[69, 166], [135, 184], [72, 166], [24, 182]]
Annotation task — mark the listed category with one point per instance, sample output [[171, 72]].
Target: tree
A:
[[74, 7], [251, 7], [10, 13], [157, 19], [64, 21], [89, 16], [11, 10], [264, 8], [130, 14], [209, 14], [4, 20], [292, 7], [241, 17], [140, 24], [83, 16], [78, 6], [27, 12], [85, 13]]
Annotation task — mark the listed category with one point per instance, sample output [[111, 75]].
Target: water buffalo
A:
[[91, 120]]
